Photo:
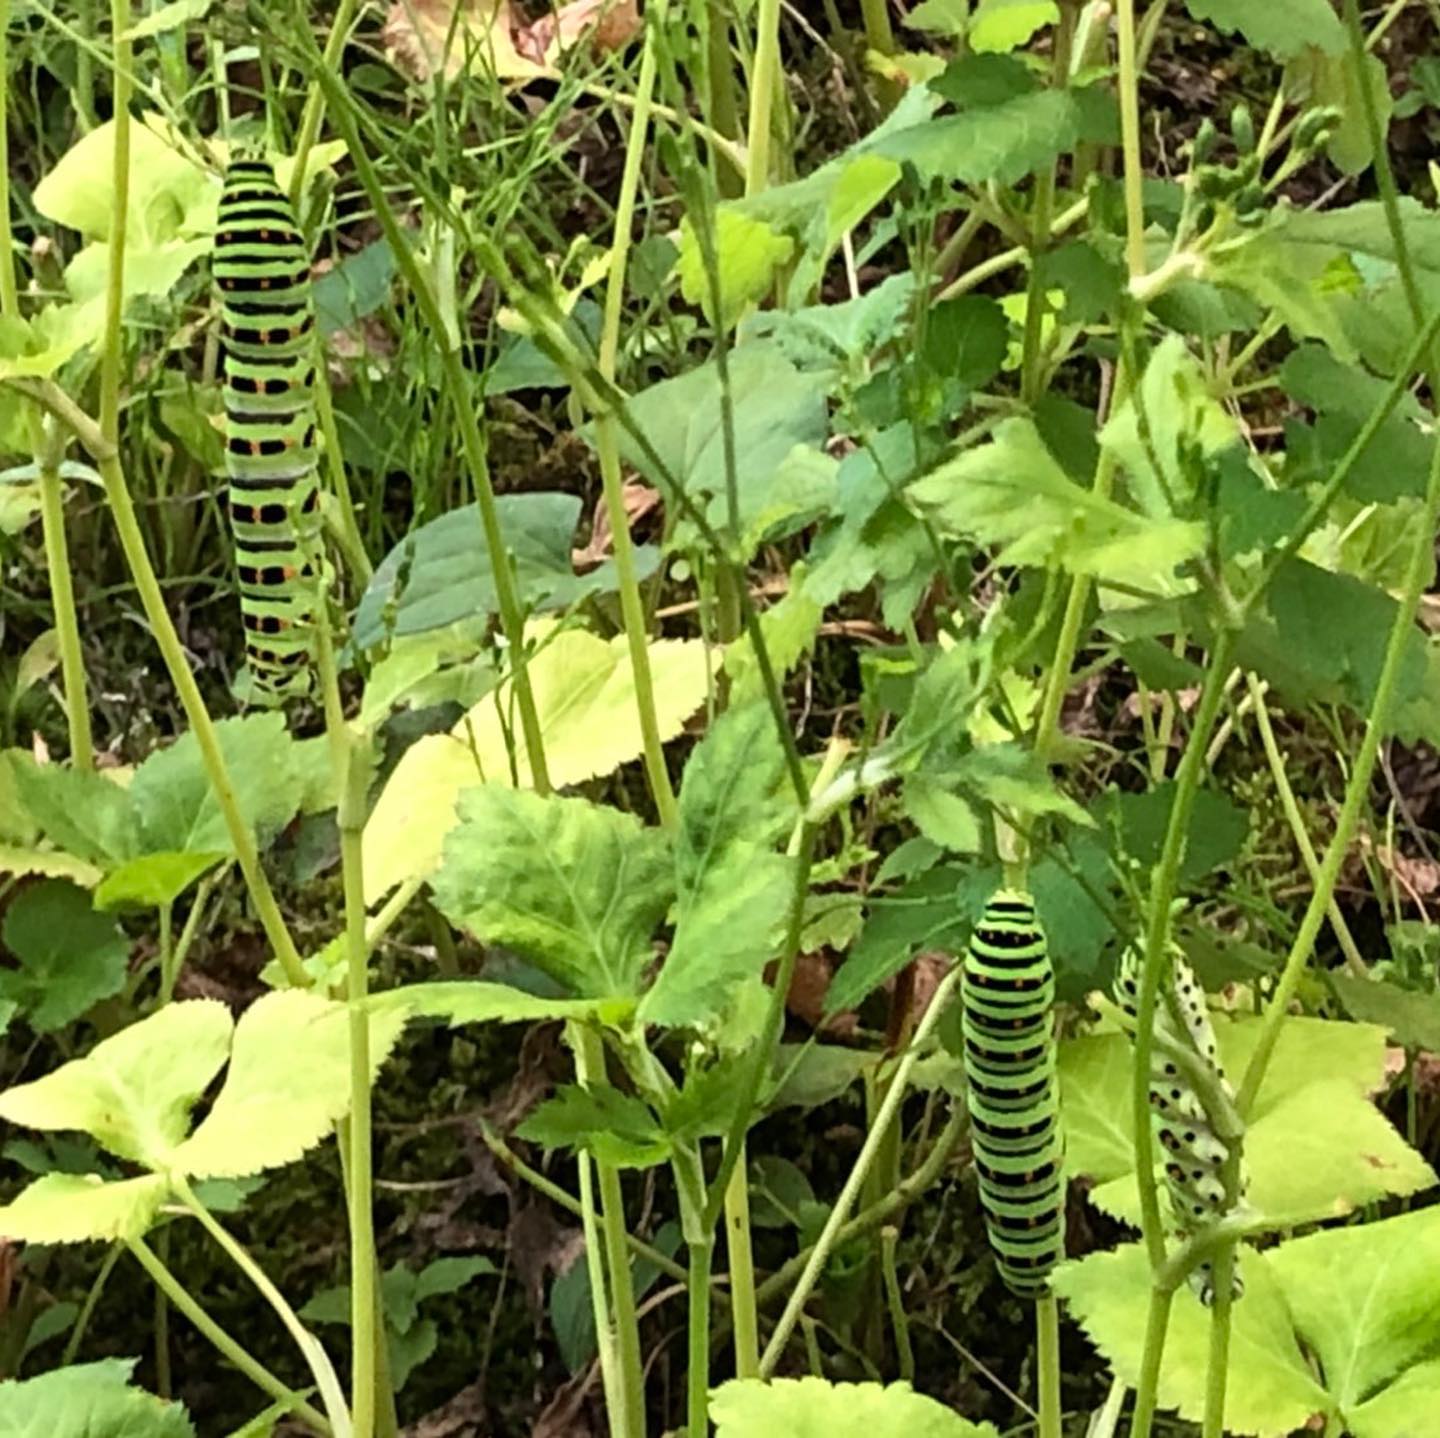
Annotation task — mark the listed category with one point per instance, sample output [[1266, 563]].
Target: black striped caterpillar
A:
[[1011, 1090], [262, 271], [1195, 1151]]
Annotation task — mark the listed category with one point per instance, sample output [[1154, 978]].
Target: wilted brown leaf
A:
[[638, 499], [607, 25], [423, 36]]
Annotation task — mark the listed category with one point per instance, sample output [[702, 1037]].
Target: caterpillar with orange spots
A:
[[262, 272]]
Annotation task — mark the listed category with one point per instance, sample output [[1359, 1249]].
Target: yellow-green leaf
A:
[[77, 1208], [747, 254]]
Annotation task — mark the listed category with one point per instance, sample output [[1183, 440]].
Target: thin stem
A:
[[87, 1309], [314, 1354], [251, 1367], [1296, 822], [363, 1295], [590, 1068], [615, 1402], [62, 594], [1129, 85], [162, 1324], [1218, 1368], [742, 1273], [132, 540], [829, 1235], [165, 916], [9, 292], [315, 101], [895, 1302], [763, 79], [462, 403], [1047, 1344], [607, 437], [697, 1385], [1157, 1325]]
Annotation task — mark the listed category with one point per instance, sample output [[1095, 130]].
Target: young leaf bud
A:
[[1242, 128]]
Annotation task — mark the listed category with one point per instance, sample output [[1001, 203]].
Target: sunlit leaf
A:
[[82, 1208], [1004, 25], [153, 880], [88, 1401], [1284, 27], [813, 1408], [747, 254]]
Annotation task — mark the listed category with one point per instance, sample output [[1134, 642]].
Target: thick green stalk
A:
[[590, 1067], [1157, 1327], [743, 1309], [1047, 1345], [512, 619], [615, 1400], [1129, 85], [314, 1353], [763, 78], [363, 1296], [9, 292], [251, 1367], [132, 541], [697, 1387], [315, 101], [62, 595], [1218, 1368], [829, 1235], [607, 436]]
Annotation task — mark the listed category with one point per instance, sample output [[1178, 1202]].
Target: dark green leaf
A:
[[1138, 822], [618, 1128], [966, 338], [1413, 1019], [1283, 27], [90, 1400], [356, 287]]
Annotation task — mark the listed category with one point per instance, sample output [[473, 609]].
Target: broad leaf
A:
[[585, 693], [69, 956], [475, 1001], [1271, 1391], [813, 1408], [441, 573], [86, 815], [132, 1093], [1283, 27], [1000, 26], [91, 1400], [576, 888], [81, 1208], [1011, 494], [176, 807], [17, 860], [153, 880], [618, 1128], [1412, 1019], [287, 1085], [732, 889], [747, 254]]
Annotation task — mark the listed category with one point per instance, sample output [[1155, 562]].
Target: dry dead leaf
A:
[[607, 25], [638, 499], [422, 37]]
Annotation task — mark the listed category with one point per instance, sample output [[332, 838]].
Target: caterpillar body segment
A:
[[1195, 1154], [262, 272], [1009, 1053]]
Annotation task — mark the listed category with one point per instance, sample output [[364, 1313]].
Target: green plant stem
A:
[[590, 1068], [607, 437], [162, 1323], [462, 403], [9, 291], [615, 1398], [251, 1367], [1032, 368], [743, 1308], [1047, 1346], [1006, 259], [315, 101], [165, 923], [700, 1252], [1129, 86], [879, 34], [1157, 936], [825, 1244], [62, 596], [722, 106], [132, 541], [310, 1347], [895, 1302], [763, 79], [364, 1305], [1218, 1367], [1296, 822], [81, 1325]]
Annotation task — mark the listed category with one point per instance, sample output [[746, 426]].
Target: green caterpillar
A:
[[262, 270], [1011, 1090], [1195, 1154]]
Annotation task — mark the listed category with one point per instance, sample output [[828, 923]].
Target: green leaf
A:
[[1412, 1019], [940, 17], [585, 693], [1363, 1298], [288, 1084], [356, 287], [441, 574], [450, 1275], [776, 408], [576, 888], [1000, 26], [1283, 27], [153, 880], [1004, 142], [1270, 1392], [17, 827], [1404, 1409], [618, 1128], [474, 1001], [747, 254], [813, 1408], [1216, 832], [69, 956], [1315, 78], [173, 16], [90, 1400], [1095, 1107], [941, 816], [176, 807], [966, 339], [1010, 493], [732, 891], [1183, 427], [82, 1208], [850, 329], [86, 815], [133, 1092]]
